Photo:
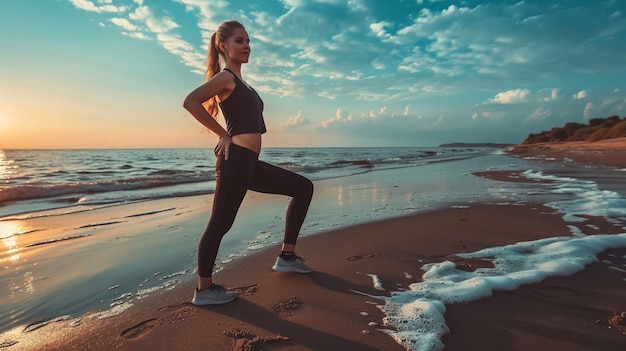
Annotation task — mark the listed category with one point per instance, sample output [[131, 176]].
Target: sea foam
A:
[[416, 315]]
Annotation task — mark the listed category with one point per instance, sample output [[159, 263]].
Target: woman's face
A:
[[237, 46]]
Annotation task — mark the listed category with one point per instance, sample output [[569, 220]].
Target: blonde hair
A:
[[224, 31]]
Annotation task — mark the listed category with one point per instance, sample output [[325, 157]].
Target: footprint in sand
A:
[[246, 290], [289, 306], [180, 313], [244, 340], [139, 330], [555, 291], [360, 257]]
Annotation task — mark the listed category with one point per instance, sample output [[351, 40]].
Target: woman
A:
[[238, 167]]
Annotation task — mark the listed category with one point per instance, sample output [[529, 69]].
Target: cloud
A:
[[124, 23], [361, 49], [295, 121], [428, 63], [555, 94], [137, 35], [439, 121], [588, 110], [99, 8], [540, 113], [516, 96], [338, 119], [580, 95], [153, 23], [379, 30], [141, 22]]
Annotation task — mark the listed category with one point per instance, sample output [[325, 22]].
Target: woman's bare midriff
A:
[[251, 141]]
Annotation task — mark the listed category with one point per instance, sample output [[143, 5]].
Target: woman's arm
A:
[[221, 84]]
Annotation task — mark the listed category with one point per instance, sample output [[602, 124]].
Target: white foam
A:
[[263, 235], [591, 200], [113, 311], [575, 230], [417, 315], [419, 322], [145, 292], [378, 285], [41, 324], [180, 273], [257, 247]]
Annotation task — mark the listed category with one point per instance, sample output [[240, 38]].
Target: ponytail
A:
[[213, 67], [224, 31]]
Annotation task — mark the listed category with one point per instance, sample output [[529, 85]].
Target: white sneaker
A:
[[215, 295], [296, 264]]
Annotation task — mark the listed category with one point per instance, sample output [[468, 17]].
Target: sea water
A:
[[33, 180], [370, 184]]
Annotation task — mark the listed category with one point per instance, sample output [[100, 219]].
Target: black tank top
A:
[[243, 109]]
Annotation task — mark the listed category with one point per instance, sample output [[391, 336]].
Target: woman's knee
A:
[[306, 189], [218, 226]]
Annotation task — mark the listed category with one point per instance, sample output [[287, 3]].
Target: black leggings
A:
[[243, 171]]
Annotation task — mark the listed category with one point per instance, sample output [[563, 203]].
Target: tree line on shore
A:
[[597, 129]]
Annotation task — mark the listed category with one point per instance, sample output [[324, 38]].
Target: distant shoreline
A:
[[606, 144], [494, 145]]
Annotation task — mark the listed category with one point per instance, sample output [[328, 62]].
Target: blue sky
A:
[[114, 73]]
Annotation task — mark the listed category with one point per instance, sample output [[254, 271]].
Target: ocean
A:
[[34, 180], [96, 230]]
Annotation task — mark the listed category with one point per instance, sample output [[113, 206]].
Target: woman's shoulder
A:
[[228, 71], [224, 74], [223, 78]]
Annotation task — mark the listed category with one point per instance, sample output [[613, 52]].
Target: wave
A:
[[103, 171], [54, 241], [76, 189], [395, 159], [150, 212], [290, 165], [365, 162]]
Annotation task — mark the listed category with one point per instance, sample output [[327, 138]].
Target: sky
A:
[[332, 73]]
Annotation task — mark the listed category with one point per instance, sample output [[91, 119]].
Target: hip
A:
[[250, 141]]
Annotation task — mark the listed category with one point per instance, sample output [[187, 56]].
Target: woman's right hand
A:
[[222, 146]]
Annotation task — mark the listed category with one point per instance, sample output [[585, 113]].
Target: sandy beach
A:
[[358, 267], [609, 152]]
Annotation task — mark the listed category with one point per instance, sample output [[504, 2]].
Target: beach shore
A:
[[335, 307], [609, 152]]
